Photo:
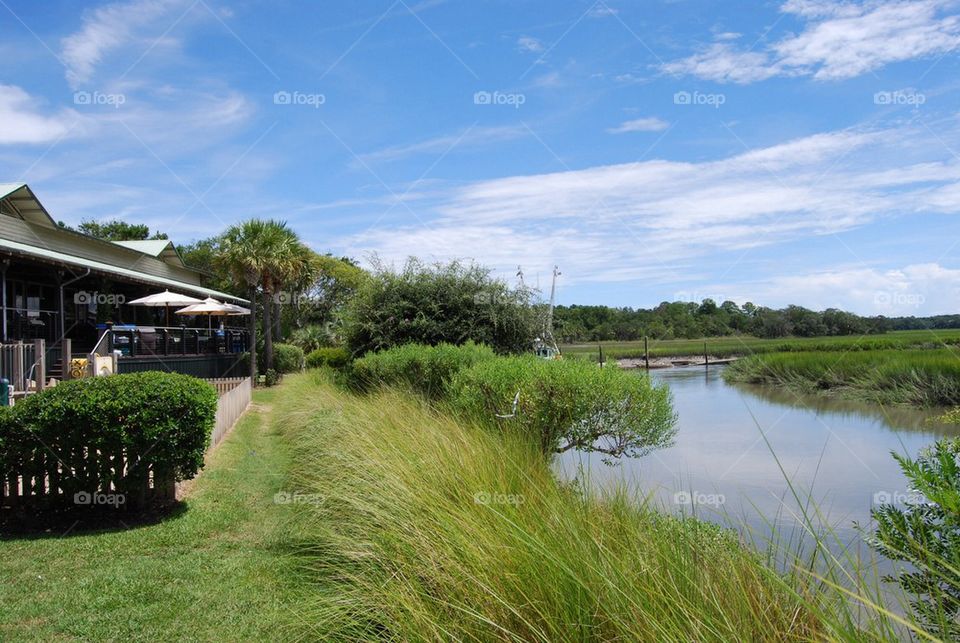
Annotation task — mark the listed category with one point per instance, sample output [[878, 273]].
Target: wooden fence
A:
[[233, 397]]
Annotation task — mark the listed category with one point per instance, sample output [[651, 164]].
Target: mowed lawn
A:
[[220, 568]]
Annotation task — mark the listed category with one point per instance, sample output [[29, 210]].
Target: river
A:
[[721, 467]]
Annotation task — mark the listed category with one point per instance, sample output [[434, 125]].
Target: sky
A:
[[789, 152]]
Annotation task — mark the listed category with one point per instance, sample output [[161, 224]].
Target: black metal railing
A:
[[150, 341]]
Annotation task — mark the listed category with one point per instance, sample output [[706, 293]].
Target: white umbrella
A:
[[166, 299], [208, 307], [237, 310]]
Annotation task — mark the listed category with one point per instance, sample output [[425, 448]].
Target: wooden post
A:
[[706, 360], [600, 349], [18, 366], [646, 353], [40, 363], [66, 353]]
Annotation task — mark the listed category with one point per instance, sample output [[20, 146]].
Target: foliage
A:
[[915, 377], [432, 529], [116, 230], [686, 319], [271, 377], [287, 358], [568, 404], [950, 417], [335, 281], [926, 534], [163, 420], [309, 338], [427, 370], [334, 357], [430, 304]]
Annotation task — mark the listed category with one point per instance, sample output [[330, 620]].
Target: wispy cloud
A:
[[529, 44], [651, 124], [840, 40], [107, 29], [624, 222], [470, 137]]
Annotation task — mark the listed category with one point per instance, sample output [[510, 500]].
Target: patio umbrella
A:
[[165, 299], [237, 310], [209, 307]]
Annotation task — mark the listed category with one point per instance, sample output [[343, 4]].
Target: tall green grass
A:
[[744, 345], [915, 377], [434, 530]]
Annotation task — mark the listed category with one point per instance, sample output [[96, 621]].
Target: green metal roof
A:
[[99, 266]]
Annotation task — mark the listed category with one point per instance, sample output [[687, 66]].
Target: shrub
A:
[[425, 369], [568, 404], [310, 338], [442, 303], [926, 535], [271, 377], [287, 358], [162, 420], [332, 357]]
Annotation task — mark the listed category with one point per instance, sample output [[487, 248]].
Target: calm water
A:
[[836, 453]]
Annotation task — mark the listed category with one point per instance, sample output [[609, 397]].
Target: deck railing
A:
[[162, 341]]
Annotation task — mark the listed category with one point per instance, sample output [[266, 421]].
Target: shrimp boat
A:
[[545, 347]]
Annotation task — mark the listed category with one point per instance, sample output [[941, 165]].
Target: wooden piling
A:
[[706, 360], [646, 353]]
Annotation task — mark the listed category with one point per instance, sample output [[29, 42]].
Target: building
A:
[[58, 284]]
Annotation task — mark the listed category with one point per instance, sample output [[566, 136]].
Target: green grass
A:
[[432, 529], [743, 345], [218, 570], [926, 378]]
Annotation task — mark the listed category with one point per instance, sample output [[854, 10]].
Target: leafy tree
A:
[[117, 230], [926, 535], [430, 304]]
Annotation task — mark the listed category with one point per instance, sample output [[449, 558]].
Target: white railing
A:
[[233, 398]]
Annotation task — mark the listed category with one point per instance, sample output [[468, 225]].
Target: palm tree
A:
[[260, 253]]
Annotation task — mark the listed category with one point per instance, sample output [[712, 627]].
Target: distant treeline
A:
[[707, 319]]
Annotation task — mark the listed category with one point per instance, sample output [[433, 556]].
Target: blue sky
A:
[[799, 151]]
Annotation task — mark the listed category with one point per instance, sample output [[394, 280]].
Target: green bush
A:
[[310, 338], [425, 369], [568, 404], [925, 534], [440, 303], [332, 357], [287, 358], [162, 420]]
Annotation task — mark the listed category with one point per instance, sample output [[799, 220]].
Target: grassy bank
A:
[[914, 377], [219, 568], [742, 345], [430, 529]]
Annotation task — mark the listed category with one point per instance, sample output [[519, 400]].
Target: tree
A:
[[117, 230], [430, 304], [926, 535]]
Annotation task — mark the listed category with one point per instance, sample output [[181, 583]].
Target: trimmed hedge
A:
[[332, 357], [568, 404], [162, 420], [425, 369], [287, 358]]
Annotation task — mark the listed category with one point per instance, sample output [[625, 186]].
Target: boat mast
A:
[[548, 330]]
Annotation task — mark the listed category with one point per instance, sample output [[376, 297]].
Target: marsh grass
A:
[[433, 529], [926, 378], [735, 346]]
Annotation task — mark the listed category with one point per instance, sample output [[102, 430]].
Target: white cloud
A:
[[20, 122], [602, 11], [633, 220], [107, 29], [470, 137], [652, 124], [529, 44], [914, 289], [840, 40]]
